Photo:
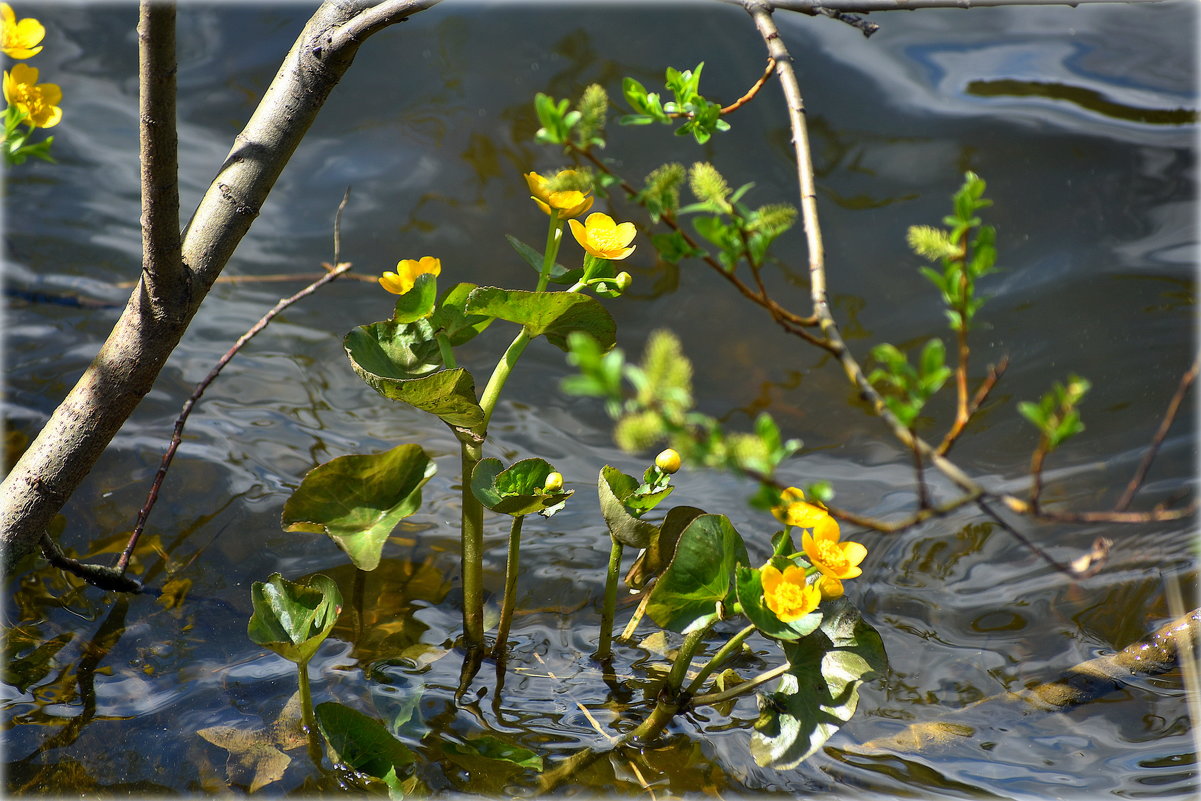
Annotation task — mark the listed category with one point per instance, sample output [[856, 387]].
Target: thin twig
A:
[[177, 434], [754, 90], [986, 386], [1140, 474]]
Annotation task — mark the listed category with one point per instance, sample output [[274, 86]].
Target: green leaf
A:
[[418, 302], [662, 546], [293, 618], [495, 749], [613, 487], [451, 318], [749, 586], [358, 500], [364, 745], [558, 273], [820, 692], [398, 362], [700, 573], [550, 314], [516, 490]]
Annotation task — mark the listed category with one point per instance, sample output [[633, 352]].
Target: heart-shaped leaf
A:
[[516, 490], [700, 573], [358, 500], [550, 314], [612, 487], [820, 692], [662, 546], [293, 618], [398, 362]]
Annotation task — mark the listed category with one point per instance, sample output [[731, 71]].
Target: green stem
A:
[[472, 542], [510, 600], [723, 653], [605, 648], [448, 355], [306, 713], [501, 374], [679, 668], [554, 237]]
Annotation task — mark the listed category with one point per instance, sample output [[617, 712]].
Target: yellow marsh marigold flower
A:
[[20, 39], [39, 101], [830, 587], [407, 270], [570, 203], [835, 559], [602, 237], [794, 510], [787, 594]]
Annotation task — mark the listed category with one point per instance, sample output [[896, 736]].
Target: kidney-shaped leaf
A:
[[550, 314], [357, 500], [700, 573], [451, 317], [401, 361], [418, 302], [515, 490], [662, 546], [820, 692], [293, 618]]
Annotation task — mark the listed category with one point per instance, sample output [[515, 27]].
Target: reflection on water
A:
[[1095, 211]]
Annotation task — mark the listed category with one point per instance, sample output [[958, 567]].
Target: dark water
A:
[[1072, 115]]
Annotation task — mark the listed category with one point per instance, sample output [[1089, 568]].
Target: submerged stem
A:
[[510, 599]]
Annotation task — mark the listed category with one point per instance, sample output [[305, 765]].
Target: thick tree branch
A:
[[141, 341], [162, 265]]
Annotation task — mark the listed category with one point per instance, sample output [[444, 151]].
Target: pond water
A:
[[1079, 119]]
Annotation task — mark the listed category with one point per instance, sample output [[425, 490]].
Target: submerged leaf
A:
[[293, 618]]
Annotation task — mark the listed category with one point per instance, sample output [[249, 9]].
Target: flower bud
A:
[[623, 281], [554, 482], [668, 461]]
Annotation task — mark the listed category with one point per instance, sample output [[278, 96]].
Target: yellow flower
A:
[[830, 587], [407, 270], [602, 237], [835, 559], [20, 38], [553, 483], [39, 101], [787, 594], [794, 510], [571, 203]]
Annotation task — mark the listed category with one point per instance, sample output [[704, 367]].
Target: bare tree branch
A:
[[167, 283], [868, 6], [129, 361]]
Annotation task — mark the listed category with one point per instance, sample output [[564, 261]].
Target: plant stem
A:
[[448, 355], [501, 374], [510, 600], [679, 668], [605, 649], [306, 712], [723, 653], [472, 543], [554, 237]]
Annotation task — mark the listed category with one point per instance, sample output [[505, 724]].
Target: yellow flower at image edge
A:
[[21, 39], [407, 270], [569, 203], [600, 236], [786, 594], [39, 101], [839, 560]]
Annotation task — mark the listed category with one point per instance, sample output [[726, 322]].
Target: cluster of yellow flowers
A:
[[599, 235], [788, 593], [38, 101]]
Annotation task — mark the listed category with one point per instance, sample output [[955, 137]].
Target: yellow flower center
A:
[[789, 597], [832, 556]]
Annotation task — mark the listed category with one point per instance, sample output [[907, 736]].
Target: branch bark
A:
[[165, 300], [868, 6]]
